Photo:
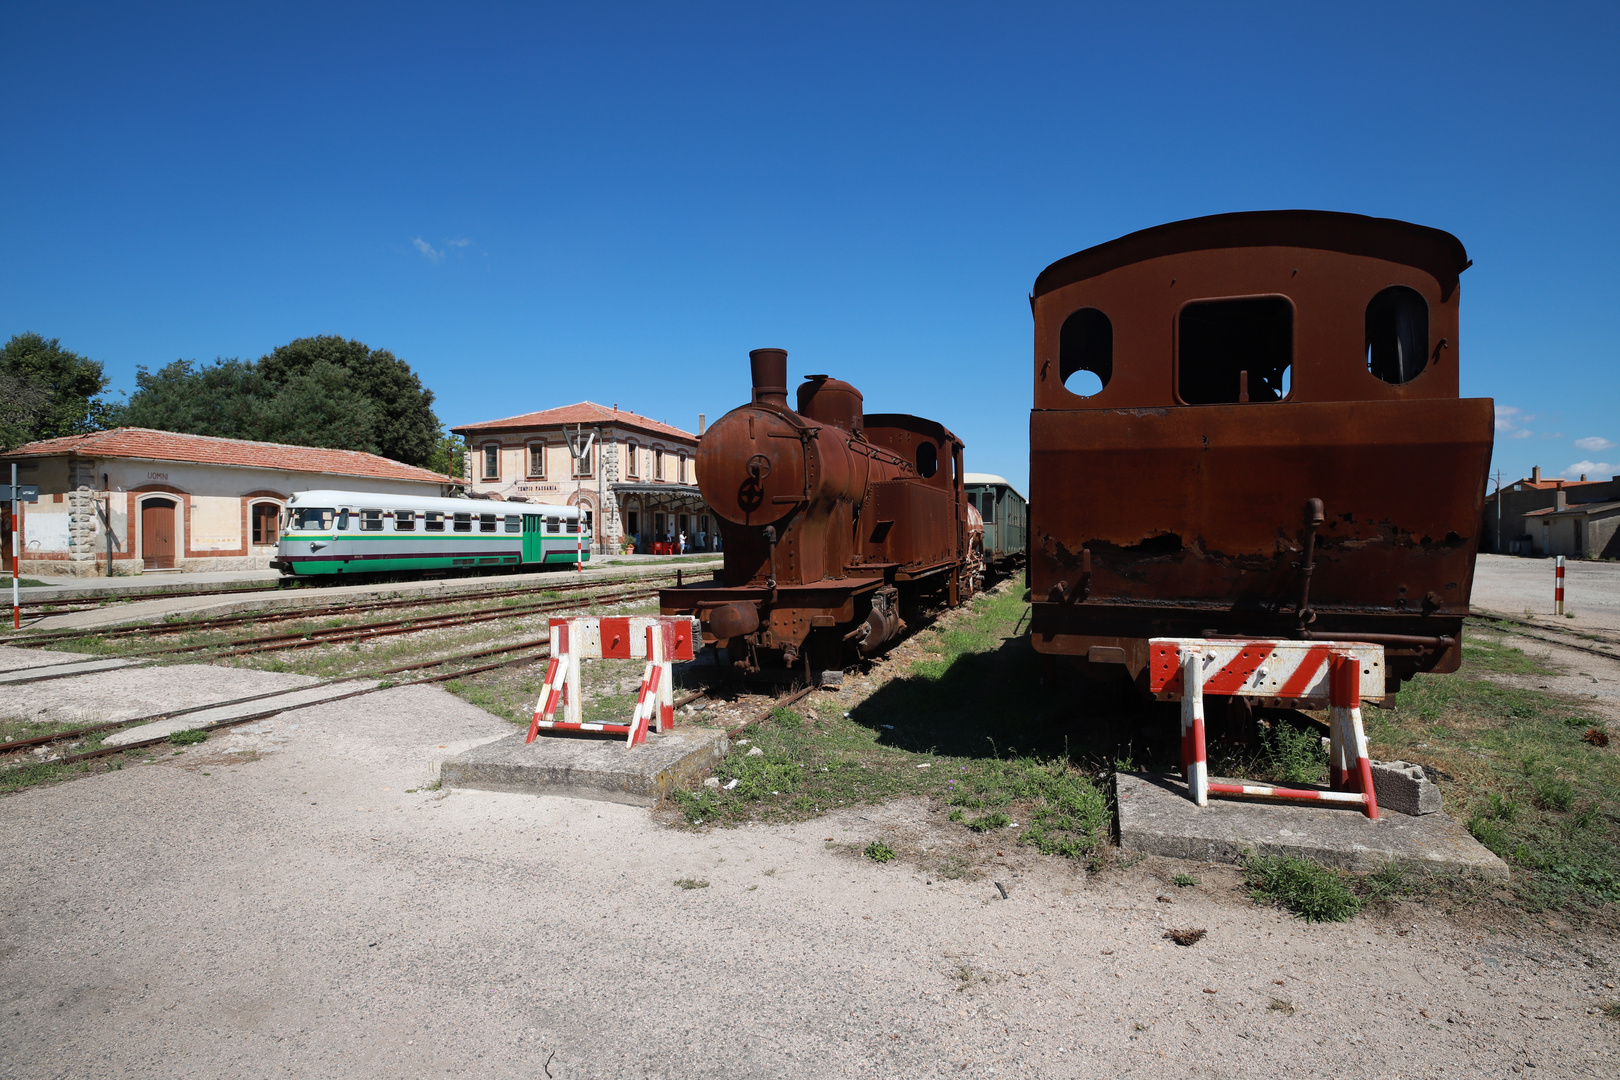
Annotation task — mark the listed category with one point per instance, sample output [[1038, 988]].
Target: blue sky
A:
[[539, 204]]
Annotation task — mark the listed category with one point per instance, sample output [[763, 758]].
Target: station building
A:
[[139, 499], [639, 484], [1552, 516]]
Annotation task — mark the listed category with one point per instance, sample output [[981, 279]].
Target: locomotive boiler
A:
[[837, 525], [1249, 425]]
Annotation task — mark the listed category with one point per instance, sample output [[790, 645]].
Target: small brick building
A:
[[159, 500]]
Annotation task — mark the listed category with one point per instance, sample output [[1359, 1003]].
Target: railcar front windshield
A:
[[312, 519]]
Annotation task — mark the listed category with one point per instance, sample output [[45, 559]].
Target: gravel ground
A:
[[1513, 586], [279, 903]]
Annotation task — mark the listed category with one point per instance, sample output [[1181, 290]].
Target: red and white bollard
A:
[[1558, 585], [1278, 673], [660, 640]]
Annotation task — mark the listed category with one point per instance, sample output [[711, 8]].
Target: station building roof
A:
[[145, 444], [584, 412]]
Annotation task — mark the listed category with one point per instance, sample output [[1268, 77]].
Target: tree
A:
[[406, 428], [449, 455], [321, 391], [47, 391], [225, 398]]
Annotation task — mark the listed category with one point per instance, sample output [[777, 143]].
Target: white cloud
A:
[[463, 242], [1510, 421], [1592, 470], [1592, 444], [431, 253]]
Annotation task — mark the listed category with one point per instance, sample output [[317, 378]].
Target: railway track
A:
[[351, 608], [1563, 636]]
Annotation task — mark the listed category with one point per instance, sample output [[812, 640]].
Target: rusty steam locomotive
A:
[[836, 525], [1269, 440]]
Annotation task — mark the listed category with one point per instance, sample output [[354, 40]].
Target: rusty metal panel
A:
[[916, 523]]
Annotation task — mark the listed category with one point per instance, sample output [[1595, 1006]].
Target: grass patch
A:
[[689, 883], [1308, 889], [1183, 881], [189, 737], [879, 852], [1517, 770]]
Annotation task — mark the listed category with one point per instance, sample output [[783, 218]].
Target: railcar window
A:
[[514, 522], [573, 526], [927, 459], [312, 519], [1233, 351], [486, 522], [404, 520], [463, 523], [553, 525], [1397, 334], [1086, 352], [343, 518], [371, 521], [432, 521], [987, 507]]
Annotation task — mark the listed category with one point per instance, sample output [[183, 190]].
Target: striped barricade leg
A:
[[1193, 760], [556, 684], [1352, 738]]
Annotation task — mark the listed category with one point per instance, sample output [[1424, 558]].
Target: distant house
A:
[[159, 500], [1574, 518], [639, 481]]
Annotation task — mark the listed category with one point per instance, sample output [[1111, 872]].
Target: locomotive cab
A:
[[1250, 425]]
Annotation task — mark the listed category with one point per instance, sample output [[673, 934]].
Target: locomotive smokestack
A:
[[769, 368]]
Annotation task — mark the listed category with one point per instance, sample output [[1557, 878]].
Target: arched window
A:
[[537, 460], [492, 461], [658, 463], [1086, 352], [265, 519], [680, 468], [1397, 334], [632, 454]]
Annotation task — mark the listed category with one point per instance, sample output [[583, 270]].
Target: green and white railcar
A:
[[1006, 518], [351, 532]]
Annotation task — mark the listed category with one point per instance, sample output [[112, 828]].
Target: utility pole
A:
[[579, 446]]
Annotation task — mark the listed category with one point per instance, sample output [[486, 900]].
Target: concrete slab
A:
[[589, 767], [1157, 818]]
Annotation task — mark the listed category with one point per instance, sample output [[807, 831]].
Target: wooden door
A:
[[157, 534]]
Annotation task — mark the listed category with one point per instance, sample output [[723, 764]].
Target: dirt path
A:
[[277, 902]]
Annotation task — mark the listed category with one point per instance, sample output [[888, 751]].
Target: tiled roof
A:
[[585, 412], [1575, 508], [1554, 485], [148, 445]]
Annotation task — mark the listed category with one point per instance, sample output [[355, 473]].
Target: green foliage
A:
[[691, 883], [879, 852], [1182, 881], [1291, 756], [985, 823], [697, 807], [762, 775], [47, 391], [1066, 810], [1308, 889], [189, 737], [322, 391]]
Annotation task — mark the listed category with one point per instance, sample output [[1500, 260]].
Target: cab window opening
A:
[[927, 459], [1235, 351], [1086, 352], [312, 518], [1397, 335]]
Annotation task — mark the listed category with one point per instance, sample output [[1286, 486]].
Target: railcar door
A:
[[534, 538]]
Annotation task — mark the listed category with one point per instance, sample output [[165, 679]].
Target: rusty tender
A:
[[833, 523], [1248, 425]]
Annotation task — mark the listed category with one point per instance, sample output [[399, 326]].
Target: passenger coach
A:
[[1006, 526], [347, 532]]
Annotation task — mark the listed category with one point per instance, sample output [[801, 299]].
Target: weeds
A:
[[1308, 889], [189, 737], [1182, 881], [879, 852], [1282, 1005], [689, 883]]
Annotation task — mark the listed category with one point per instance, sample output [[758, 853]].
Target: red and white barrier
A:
[[1558, 586], [660, 640], [1299, 673]]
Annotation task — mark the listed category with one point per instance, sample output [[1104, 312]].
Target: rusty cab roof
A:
[[1434, 251]]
